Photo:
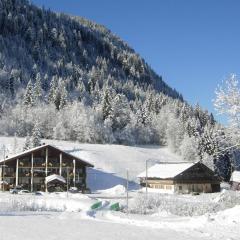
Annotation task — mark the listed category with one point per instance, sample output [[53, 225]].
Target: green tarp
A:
[[115, 207], [96, 205]]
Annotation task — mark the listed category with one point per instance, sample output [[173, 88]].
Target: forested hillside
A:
[[65, 77], [39, 42]]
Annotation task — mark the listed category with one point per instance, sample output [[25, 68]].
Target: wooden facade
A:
[[197, 178], [30, 168]]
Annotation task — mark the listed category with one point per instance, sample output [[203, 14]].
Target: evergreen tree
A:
[[106, 104], [53, 90], [38, 88], [36, 136], [15, 144], [27, 144], [120, 112], [82, 91], [63, 97], [45, 82], [189, 148], [12, 85], [29, 96]]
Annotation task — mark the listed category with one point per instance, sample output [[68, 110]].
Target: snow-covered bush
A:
[[48, 203], [184, 205]]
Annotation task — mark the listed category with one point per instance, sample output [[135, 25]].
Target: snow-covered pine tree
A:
[[15, 144], [53, 90], [82, 91], [37, 91], [63, 96], [45, 83], [29, 96], [189, 148], [106, 104], [174, 133], [36, 135], [12, 84], [119, 113], [28, 143]]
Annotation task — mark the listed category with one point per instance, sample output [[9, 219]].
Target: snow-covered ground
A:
[[60, 216]]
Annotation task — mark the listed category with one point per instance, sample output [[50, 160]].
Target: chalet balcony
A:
[[9, 175]]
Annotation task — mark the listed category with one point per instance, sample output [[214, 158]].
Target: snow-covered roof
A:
[[55, 177], [4, 182], [165, 170], [235, 176], [41, 147]]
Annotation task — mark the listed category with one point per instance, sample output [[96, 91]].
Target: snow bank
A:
[[229, 216], [49, 202], [117, 190]]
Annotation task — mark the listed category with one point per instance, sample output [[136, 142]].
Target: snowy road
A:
[[71, 226], [117, 226]]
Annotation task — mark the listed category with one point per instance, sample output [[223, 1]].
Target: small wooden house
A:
[[235, 181], [31, 169], [180, 178]]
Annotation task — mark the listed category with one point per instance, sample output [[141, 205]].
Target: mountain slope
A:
[[34, 40]]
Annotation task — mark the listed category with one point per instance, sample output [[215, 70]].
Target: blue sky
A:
[[194, 45]]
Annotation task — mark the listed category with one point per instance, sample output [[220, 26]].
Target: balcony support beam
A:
[[46, 168], [32, 172], [60, 169], [74, 172], [17, 163]]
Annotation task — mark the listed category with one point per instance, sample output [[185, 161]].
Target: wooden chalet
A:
[[180, 178], [31, 168]]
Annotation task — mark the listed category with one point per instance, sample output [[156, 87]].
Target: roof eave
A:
[[44, 146]]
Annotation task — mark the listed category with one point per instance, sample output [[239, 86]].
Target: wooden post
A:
[[127, 189], [67, 181], [84, 177], [46, 168], [74, 172], [32, 172], [60, 169], [3, 168], [17, 172], [146, 179]]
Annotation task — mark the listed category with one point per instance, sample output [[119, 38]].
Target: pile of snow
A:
[[231, 215], [117, 190]]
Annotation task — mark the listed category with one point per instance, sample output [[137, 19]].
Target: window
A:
[[159, 186], [168, 187], [180, 188]]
